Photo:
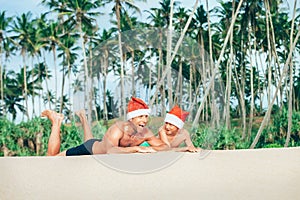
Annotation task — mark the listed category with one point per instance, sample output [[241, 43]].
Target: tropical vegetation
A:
[[234, 67]]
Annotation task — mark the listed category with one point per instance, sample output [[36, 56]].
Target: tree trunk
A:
[[123, 102], [132, 74], [2, 105], [62, 87], [105, 66], [215, 70], [55, 72], [33, 95], [269, 54], [150, 81], [159, 78], [229, 76], [178, 93], [268, 113], [169, 61], [241, 96], [290, 109], [25, 83], [39, 143], [160, 81], [251, 83]]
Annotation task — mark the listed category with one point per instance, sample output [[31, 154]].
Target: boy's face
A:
[[170, 128]]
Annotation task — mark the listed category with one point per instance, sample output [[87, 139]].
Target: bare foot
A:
[[53, 116], [81, 114]]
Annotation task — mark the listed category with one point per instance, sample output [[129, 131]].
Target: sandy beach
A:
[[229, 174]]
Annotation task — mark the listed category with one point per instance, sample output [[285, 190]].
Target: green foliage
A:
[[70, 136], [274, 135], [227, 139], [23, 139], [220, 139], [8, 136], [204, 137], [99, 130], [273, 146]]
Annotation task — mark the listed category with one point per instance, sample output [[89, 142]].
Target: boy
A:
[[172, 132]]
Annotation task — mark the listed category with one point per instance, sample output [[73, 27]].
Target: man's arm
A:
[[112, 139]]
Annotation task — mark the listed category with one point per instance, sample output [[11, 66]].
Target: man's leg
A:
[[54, 139], [87, 133]]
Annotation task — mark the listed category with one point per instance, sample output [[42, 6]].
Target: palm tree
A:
[[35, 52], [118, 7], [101, 63], [40, 73], [249, 20], [49, 98], [68, 54], [214, 71], [130, 44], [200, 34], [53, 33], [181, 16], [4, 24], [80, 14], [157, 20], [23, 27], [49, 35], [290, 102], [13, 95], [273, 41]]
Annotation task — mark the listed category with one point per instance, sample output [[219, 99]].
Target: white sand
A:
[[240, 174]]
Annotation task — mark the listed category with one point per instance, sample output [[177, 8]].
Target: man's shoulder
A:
[[119, 124], [116, 128]]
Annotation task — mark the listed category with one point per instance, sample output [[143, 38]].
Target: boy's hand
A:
[[193, 149]]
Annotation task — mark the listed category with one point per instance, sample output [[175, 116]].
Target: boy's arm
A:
[[155, 143], [187, 138], [189, 144], [163, 136]]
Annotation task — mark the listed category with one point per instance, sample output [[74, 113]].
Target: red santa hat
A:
[[137, 107], [176, 117]]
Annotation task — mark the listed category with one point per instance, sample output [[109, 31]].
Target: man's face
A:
[[140, 121]]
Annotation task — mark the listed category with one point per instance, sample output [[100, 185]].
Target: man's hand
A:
[[146, 150]]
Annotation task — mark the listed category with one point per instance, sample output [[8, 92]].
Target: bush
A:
[[31, 138], [220, 139]]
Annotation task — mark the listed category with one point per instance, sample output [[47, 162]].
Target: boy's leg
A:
[[87, 133], [54, 139]]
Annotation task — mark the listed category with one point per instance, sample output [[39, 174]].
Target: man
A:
[[121, 137]]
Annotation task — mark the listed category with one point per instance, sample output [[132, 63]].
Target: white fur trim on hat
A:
[[138, 112], [173, 119]]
